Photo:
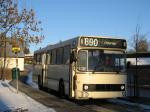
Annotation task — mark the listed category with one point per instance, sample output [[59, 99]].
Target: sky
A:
[[65, 19]]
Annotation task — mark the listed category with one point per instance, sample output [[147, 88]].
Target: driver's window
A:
[[82, 60]]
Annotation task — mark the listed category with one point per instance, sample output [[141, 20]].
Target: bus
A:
[[85, 67]]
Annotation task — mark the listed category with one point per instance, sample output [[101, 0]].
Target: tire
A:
[[61, 89]]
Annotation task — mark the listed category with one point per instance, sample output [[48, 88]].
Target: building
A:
[[28, 59], [11, 57]]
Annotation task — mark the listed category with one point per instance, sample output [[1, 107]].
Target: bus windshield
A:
[[101, 61]]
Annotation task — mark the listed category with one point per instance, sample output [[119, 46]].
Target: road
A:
[[64, 105]]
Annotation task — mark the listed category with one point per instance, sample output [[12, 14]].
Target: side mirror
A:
[[73, 57], [128, 64]]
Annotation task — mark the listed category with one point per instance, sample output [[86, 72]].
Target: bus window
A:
[[82, 60], [43, 58], [59, 55], [93, 58], [66, 55], [101, 61], [39, 59], [47, 58], [53, 57]]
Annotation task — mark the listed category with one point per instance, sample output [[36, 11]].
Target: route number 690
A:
[[90, 42]]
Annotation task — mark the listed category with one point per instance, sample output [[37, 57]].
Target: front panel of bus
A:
[[100, 73]]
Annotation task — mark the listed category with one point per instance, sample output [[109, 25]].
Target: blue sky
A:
[[64, 19]]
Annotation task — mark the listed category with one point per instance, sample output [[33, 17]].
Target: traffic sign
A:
[[16, 49]]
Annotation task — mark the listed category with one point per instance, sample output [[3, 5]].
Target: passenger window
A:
[[66, 55], [59, 54], [53, 56], [43, 58], [49, 57]]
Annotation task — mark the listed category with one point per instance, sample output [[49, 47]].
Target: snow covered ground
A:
[[10, 101]]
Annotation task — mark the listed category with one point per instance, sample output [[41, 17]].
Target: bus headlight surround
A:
[[86, 87]]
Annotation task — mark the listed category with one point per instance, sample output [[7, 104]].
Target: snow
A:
[[10, 101], [140, 61]]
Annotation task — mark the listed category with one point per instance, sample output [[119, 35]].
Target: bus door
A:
[[46, 69], [43, 68], [72, 75]]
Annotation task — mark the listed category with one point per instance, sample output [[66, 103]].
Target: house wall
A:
[[11, 63]]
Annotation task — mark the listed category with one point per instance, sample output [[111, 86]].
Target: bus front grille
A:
[[104, 87]]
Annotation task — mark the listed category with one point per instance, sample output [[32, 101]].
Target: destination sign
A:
[[102, 42]]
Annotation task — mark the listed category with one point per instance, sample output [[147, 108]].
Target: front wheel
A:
[[61, 89]]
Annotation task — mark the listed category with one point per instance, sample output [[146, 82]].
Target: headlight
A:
[[86, 87], [122, 87]]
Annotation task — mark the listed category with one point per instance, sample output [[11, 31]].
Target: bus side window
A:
[[43, 58], [47, 58], [59, 55], [66, 55], [35, 59], [53, 61], [40, 58]]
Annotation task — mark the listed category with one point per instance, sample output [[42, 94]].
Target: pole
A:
[[137, 86], [16, 71], [136, 73], [4, 64]]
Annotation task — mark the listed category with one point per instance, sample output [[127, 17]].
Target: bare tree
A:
[[20, 25], [139, 42], [26, 50]]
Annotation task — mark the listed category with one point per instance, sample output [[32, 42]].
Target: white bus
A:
[[83, 67]]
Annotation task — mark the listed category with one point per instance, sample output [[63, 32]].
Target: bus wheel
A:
[[61, 89]]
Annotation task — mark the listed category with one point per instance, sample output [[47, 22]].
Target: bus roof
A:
[[72, 42], [59, 44]]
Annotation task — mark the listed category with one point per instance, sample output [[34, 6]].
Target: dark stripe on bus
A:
[[104, 87]]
